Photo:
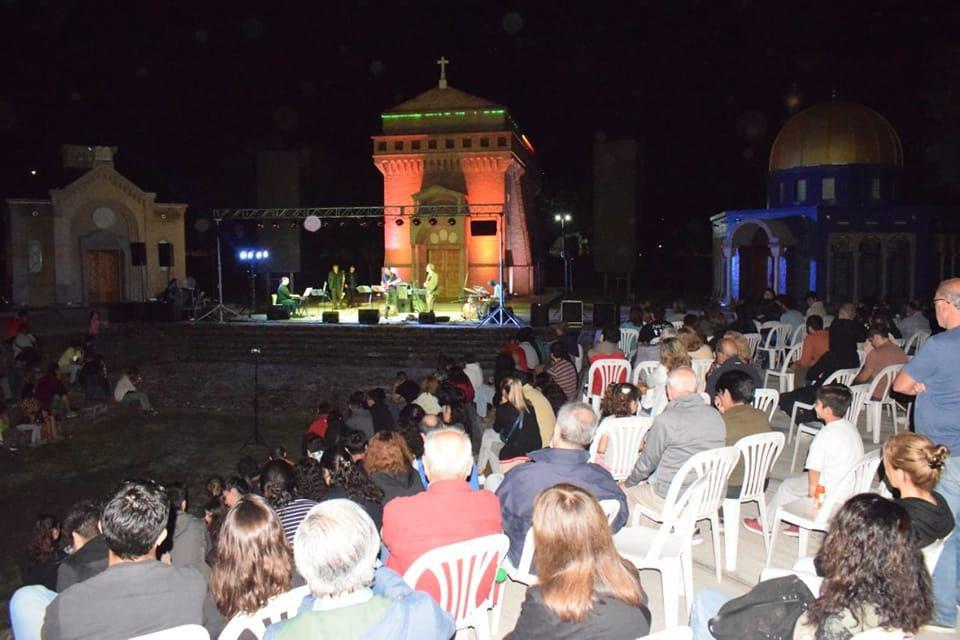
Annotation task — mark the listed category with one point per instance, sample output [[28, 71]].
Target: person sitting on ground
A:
[[126, 391], [321, 421], [673, 355], [546, 418], [379, 411], [874, 577], [279, 453], [359, 417], [428, 395], [40, 564], [564, 460], [913, 322], [503, 367], [347, 478], [620, 401], [13, 325], [483, 392], [454, 510], [408, 426], [516, 422], [834, 452], [253, 561], [214, 487], [52, 394], [570, 338], [428, 424], [735, 390], [137, 594], [913, 466], [686, 427], [513, 349], [41, 422], [336, 551], [882, 354], [728, 359], [308, 475], [563, 370], [457, 411], [25, 348], [190, 542], [527, 342], [815, 344], [547, 385], [389, 464], [584, 589], [693, 342], [93, 377], [235, 488], [70, 361], [89, 546], [788, 314], [278, 486]]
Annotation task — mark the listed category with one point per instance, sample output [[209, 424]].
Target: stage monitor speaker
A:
[[539, 314], [605, 314], [331, 317], [278, 312], [165, 254], [427, 317], [483, 227], [138, 254], [368, 316], [571, 313]]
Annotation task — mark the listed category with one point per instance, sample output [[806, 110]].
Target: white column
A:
[[775, 255]]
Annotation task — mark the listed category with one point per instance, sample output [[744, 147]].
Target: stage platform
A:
[[447, 313]]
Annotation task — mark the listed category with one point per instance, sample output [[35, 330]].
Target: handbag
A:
[[517, 424], [769, 611]]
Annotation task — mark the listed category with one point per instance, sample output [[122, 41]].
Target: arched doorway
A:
[[755, 258]]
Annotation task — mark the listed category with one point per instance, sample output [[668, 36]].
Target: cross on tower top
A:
[[443, 62]]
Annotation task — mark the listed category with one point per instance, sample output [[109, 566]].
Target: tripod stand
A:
[[255, 437], [499, 316], [220, 308]]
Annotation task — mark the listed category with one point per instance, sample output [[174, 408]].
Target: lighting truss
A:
[[387, 211]]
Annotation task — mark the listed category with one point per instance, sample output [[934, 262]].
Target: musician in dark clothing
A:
[[335, 284], [351, 285]]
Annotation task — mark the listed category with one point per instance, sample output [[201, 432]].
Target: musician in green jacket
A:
[[432, 285], [290, 300]]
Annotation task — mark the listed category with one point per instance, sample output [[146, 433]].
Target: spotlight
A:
[[416, 222], [433, 222], [259, 225], [276, 225], [363, 223], [451, 221], [379, 223], [399, 222], [253, 255]]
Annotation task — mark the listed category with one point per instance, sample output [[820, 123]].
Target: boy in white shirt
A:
[[126, 391], [835, 450]]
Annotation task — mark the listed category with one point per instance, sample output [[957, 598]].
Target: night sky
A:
[[189, 91]]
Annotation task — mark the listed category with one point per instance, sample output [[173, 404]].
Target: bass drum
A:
[[469, 310]]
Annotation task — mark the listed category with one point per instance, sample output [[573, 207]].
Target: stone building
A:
[[836, 221], [447, 147], [100, 239]]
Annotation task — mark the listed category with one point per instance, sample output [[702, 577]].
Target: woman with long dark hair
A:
[[278, 485], [586, 590], [346, 478], [408, 426], [43, 553], [253, 560]]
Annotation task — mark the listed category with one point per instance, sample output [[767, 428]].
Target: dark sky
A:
[[189, 90]]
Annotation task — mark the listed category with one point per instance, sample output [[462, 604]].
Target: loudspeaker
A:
[[571, 313], [368, 316], [427, 317], [278, 312], [138, 254], [331, 317], [539, 314], [483, 227], [605, 314], [165, 254]]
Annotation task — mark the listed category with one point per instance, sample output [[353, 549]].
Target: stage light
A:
[[399, 222], [312, 224], [253, 255], [451, 221], [433, 222], [416, 222]]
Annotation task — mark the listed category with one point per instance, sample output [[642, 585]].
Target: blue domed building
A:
[[835, 220]]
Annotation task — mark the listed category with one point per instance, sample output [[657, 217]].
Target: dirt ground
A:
[[205, 416]]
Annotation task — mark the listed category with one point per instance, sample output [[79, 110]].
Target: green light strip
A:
[[444, 114]]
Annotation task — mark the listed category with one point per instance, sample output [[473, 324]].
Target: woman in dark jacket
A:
[[44, 554], [845, 335], [389, 464], [516, 422]]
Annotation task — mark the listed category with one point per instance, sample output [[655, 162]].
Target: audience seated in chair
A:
[[735, 391], [728, 359], [882, 354]]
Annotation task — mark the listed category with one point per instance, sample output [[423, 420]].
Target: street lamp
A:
[[563, 219]]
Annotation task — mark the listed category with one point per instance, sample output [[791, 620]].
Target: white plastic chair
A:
[[753, 342], [642, 371], [279, 607], [759, 453], [766, 400], [629, 339], [798, 335], [776, 341], [804, 512], [915, 342], [859, 394], [667, 549], [931, 552], [840, 376], [610, 370], [460, 570], [715, 465], [784, 375], [827, 321], [673, 633], [183, 632], [611, 509], [700, 367], [677, 324], [624, 436], [875, 408]]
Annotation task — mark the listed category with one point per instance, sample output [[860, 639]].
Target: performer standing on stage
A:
[[351, 285], [432, 284], [389, 281], [335, 283], [290, 300]]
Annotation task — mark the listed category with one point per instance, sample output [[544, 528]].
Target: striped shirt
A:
[[292, 515], [565, 375]]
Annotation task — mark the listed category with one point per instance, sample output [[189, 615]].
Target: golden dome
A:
[[833, 133]]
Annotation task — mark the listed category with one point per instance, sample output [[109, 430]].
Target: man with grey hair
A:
[[726, 359], [335, 550], [565, 460], [448, 511], [686, 427]]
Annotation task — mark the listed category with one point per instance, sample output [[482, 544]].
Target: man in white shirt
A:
[[913, 322], [835, 450], [126, 391]]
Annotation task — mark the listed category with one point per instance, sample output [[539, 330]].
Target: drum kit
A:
[[477, 304]]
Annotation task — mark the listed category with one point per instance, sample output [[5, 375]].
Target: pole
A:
[[499, 315], [255, 437], [220, 308]]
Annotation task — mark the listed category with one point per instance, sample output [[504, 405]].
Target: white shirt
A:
[[23, 341], [834, 452], [428, 402], [124, 386], [533, 359], [912, 324], [473, 371]]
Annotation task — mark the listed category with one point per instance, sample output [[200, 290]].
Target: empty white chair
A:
[[753, 341], [608, 370], [461, 570], [183, 632], [766, 400], [624, 436], [667, 549], [715, 465], [783, 374], [860, 395], [673, 633], [700, 367], [804, 512], [629, 338], [758, 454], [883, 378], [778, 333], [278, 608], [642, 372], [915, 342], [840, 376]]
